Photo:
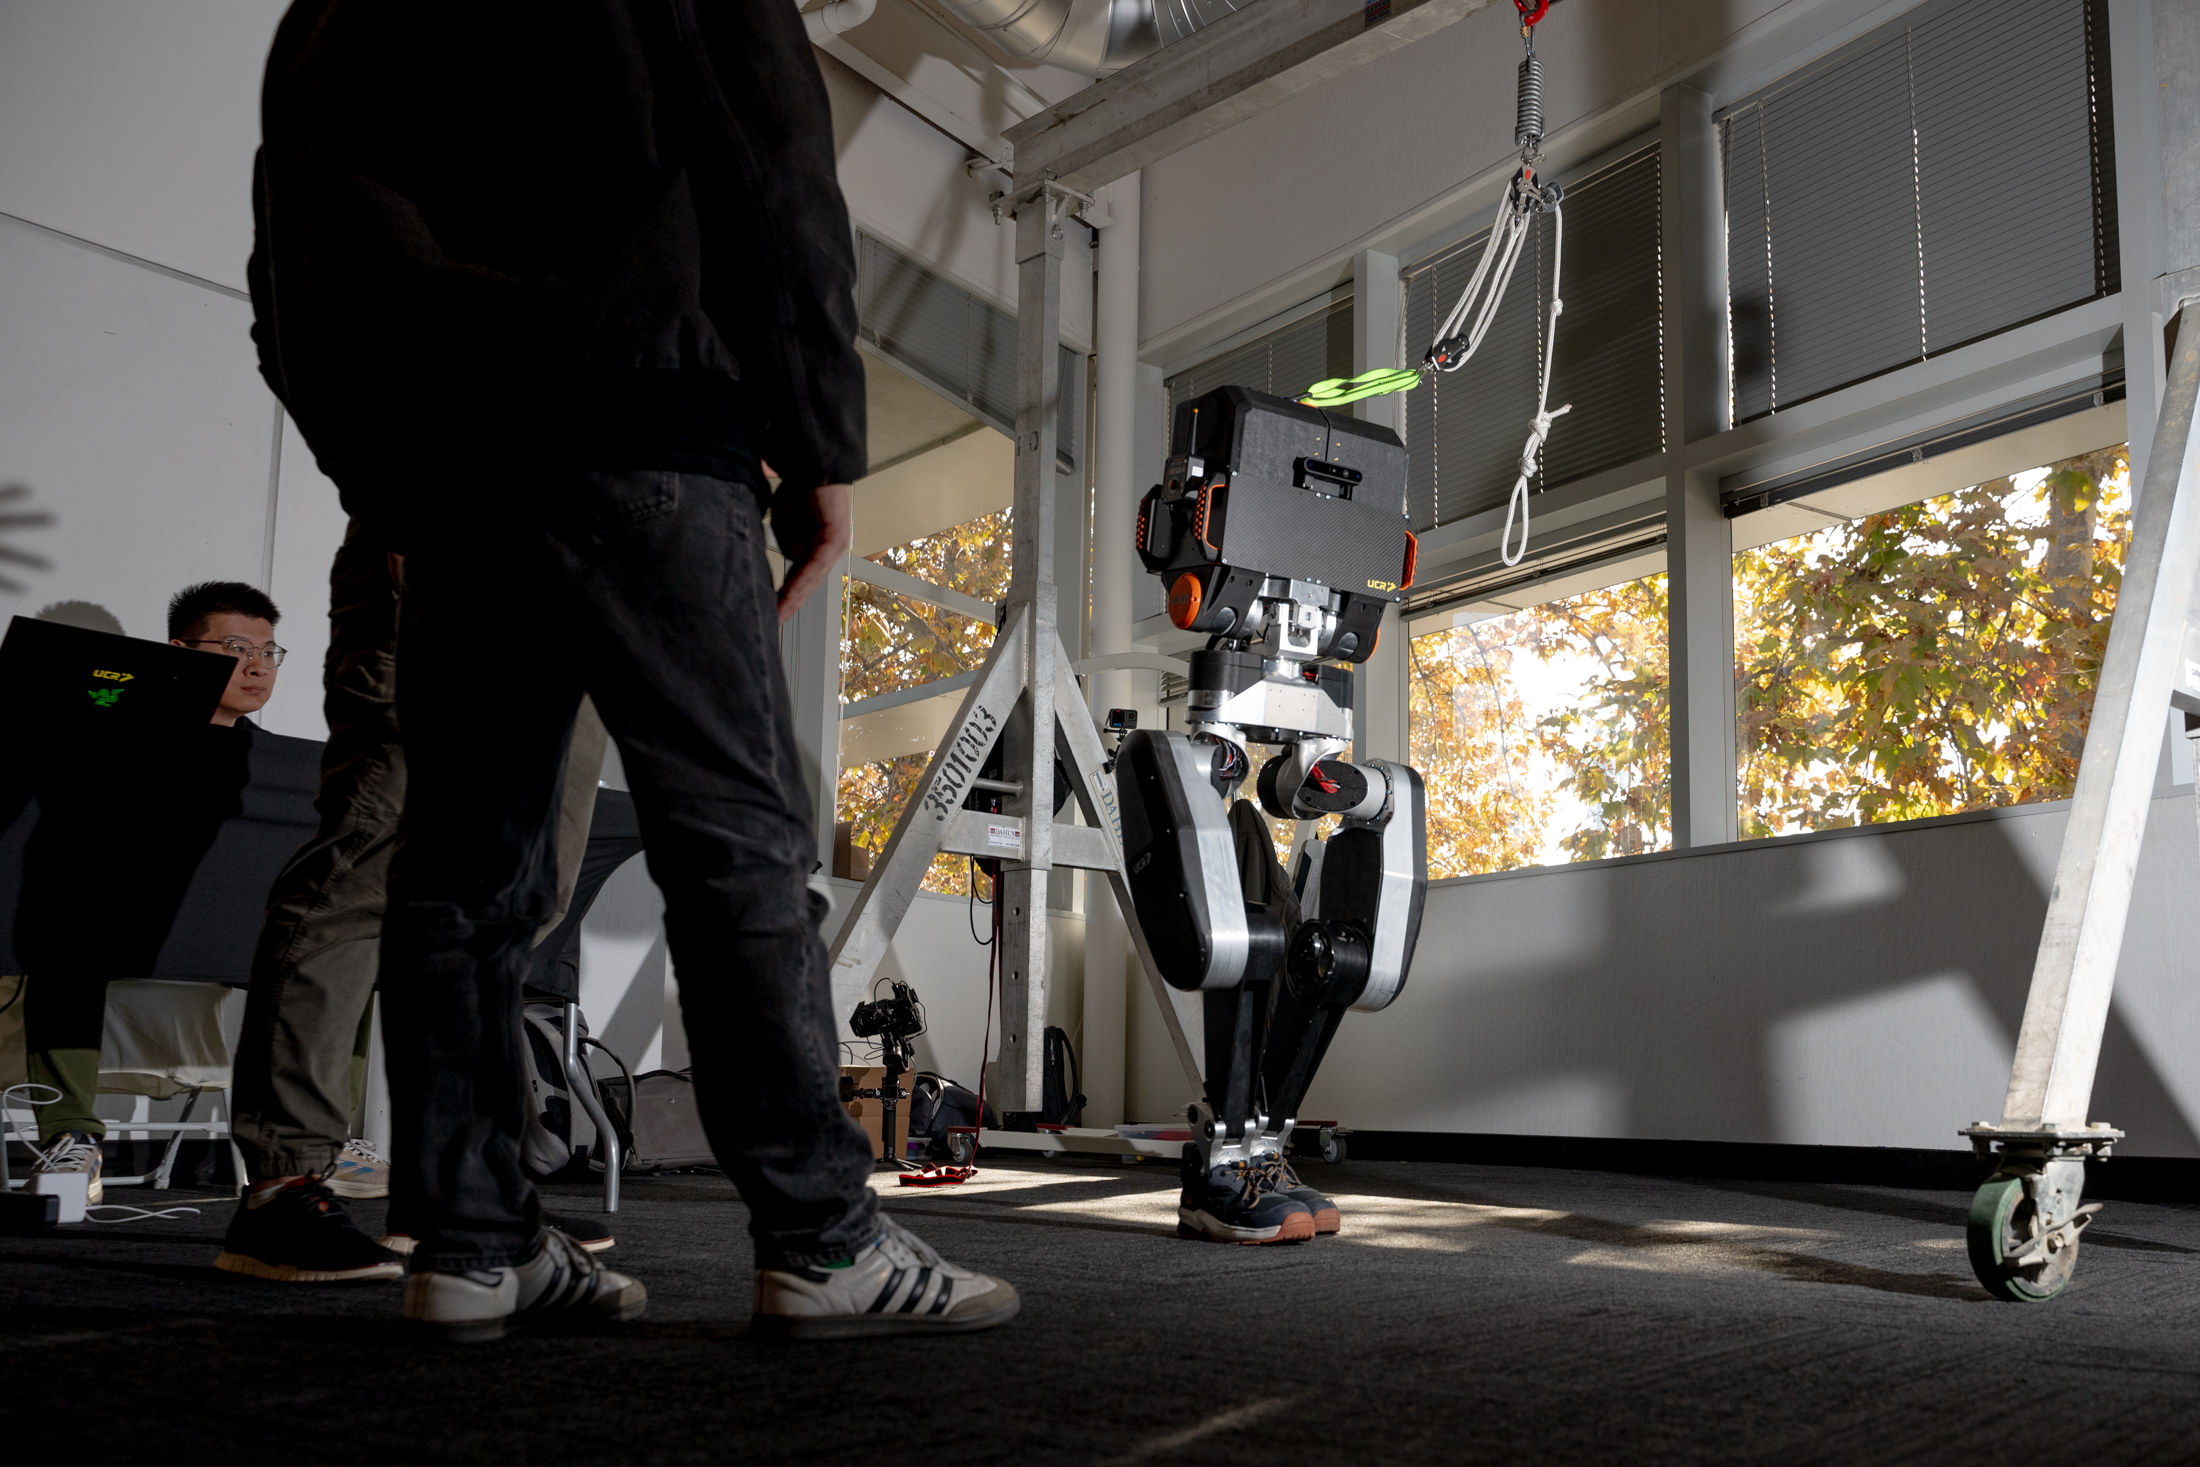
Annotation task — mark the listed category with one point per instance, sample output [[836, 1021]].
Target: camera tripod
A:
[[894, 1023]]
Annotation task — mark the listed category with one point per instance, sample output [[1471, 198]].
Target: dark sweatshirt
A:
[[561, 233]]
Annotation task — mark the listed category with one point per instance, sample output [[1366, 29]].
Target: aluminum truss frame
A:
[[2026, 1220]]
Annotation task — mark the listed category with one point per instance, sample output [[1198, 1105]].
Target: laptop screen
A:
[[44, 663]]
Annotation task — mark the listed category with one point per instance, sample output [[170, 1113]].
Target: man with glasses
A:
[[119, 837], [228, 616]]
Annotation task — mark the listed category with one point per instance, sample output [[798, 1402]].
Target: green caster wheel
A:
[[2007, 1253]]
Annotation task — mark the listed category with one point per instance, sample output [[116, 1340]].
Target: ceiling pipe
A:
[[1094, 38], [838, 18]]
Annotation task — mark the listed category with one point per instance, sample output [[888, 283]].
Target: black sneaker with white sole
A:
[[299, 1233], [1237, 1202], [895, 1285], [560, 1284]]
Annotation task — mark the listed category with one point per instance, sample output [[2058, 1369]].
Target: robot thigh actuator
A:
[[1281, 532]]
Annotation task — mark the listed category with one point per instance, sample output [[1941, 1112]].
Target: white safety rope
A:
[[1539, 427], [1461, 335], [1507, 233]]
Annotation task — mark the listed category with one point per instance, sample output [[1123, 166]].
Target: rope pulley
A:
[[1461, 333]]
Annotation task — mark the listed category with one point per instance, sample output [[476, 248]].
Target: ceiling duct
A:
[[1092, 37]]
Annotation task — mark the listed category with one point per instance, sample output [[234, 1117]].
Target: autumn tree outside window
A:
[[890, 642]]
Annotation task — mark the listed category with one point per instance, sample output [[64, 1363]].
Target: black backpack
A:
[[549, 1146], [936, 1103], [1060, 1103]]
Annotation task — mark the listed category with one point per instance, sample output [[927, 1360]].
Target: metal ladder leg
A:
[[583, 1088]]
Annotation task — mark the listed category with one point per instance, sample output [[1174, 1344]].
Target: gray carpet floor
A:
[[1466, 1315]]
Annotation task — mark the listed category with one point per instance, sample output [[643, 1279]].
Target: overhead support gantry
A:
[[1214, 79]]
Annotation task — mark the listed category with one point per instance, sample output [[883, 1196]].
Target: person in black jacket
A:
[[545, 286]]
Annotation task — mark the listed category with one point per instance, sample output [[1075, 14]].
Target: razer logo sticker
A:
[[105, 697]]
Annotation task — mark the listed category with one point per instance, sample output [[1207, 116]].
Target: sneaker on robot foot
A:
[[359, 1171], [560, 1283], [74, 1151], [1284, 1181], [894, 1285], [1236, 1202], [594, 1236], [299, 1233]]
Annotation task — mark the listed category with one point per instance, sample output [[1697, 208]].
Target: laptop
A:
[[47, 665]]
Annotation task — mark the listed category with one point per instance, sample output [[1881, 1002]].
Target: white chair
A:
[[162, 1040]]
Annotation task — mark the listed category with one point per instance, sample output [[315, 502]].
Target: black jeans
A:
[[647, 590]]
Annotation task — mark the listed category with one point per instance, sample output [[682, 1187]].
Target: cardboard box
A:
[[869, 1113]]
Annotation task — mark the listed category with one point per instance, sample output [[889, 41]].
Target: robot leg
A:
[[1361, 894], [1205, 937]]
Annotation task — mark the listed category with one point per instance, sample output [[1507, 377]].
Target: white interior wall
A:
[[1858, 988], [132, 123], [131, 407], [132, 415]]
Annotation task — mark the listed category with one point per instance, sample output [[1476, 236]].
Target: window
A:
[[891, 644], [1945, 177], [1934, 658], [1464, 429], [1541, 734]]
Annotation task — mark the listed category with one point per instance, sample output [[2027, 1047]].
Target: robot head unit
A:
[[1281, 532]]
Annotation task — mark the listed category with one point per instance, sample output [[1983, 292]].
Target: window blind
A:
[[1945, 177], [1284, 362], [956, 343], [1464, 429]]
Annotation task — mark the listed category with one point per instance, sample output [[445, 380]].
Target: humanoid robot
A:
[[1281, 532]]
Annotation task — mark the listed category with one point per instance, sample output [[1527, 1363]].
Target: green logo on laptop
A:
[[106, 697]]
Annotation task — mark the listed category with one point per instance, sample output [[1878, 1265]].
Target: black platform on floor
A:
[[1467, 1314]]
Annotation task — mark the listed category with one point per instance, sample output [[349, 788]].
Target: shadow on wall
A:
[[16, 515], [88, 615], [1860, 988]]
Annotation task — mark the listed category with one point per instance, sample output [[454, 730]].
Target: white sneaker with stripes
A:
[[560, 1284], [358, 1171], [896, 1285]]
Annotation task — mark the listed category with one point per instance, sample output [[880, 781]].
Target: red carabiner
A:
[[1532, 11]]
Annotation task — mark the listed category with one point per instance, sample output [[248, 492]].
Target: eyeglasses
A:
[[237, 647]]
